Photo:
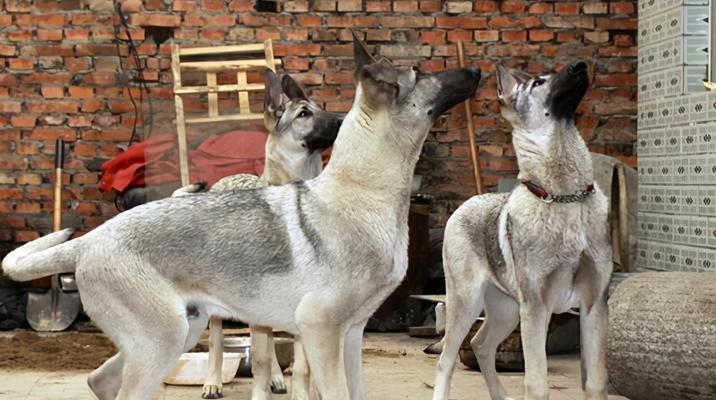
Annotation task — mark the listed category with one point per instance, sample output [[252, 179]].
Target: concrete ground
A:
[[394, 368]]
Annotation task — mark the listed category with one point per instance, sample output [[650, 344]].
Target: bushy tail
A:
[[41, 257]]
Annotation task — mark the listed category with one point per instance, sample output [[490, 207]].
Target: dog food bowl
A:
[[193, 368], [242, 345]]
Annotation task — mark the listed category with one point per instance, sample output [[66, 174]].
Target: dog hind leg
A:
[[502, 315], [460, 312], [301, 379], [261, 347], [593, 322], [213, 386], [278, 384], [105, 381]]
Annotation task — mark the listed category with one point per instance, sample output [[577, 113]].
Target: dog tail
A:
[[42, 257]]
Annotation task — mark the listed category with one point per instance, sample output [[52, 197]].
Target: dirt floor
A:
[[394, 367]]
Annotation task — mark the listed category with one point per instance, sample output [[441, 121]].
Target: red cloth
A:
[[156, 161]]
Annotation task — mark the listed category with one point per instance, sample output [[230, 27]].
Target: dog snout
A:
[[475, 72]]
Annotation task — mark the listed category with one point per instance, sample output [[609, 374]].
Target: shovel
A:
[[55, 309]]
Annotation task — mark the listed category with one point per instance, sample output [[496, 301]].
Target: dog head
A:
[[296, 123], [532, 103], [404, 97]]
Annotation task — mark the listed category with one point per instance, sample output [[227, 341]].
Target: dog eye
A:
[[304, 114], [537, 83]]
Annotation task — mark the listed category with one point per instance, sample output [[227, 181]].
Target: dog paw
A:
[[278, 386], [212, 392]]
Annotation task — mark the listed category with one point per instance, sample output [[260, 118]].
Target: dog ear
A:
[[379, 82], [507, 82], [361, 55], [291, 88], [274, 92]]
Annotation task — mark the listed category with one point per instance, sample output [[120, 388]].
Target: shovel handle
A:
[[59, 164]]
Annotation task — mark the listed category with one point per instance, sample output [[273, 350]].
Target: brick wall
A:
[[60, 77]]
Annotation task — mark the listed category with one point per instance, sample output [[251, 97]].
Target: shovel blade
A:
[[52, 311]]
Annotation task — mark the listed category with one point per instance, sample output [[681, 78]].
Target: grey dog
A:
[[314, 258], [298, 130], [542, 249]]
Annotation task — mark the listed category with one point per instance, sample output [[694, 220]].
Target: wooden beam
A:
[[231, 117], [249, 87], [241, 48], [212, 97], [225, 65], [244, 105]]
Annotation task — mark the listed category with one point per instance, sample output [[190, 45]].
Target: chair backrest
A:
[[212, 88]]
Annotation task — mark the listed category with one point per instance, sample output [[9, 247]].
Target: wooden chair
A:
[[230, 64]]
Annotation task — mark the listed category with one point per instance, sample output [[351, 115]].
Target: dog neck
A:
[[282, 168], [368, 157], [554, 156]]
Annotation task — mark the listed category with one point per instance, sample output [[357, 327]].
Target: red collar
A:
[[545, 196]]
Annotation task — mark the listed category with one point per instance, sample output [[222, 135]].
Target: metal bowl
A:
[[242, 344]]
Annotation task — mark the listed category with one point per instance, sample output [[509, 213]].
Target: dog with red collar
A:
[[544, 248]]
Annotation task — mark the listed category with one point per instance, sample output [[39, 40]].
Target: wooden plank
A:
[[176, 68], [241, 48], [181, 138], [244, 105], [268, 52], [225, 65], [435, 298], [422, 331], [212, 97], [231, 117], [249, 87]]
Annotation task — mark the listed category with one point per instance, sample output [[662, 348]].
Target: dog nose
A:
[[578, 67], [475, 72]]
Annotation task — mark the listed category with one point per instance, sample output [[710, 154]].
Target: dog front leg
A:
[[213, 386], [354, 360], [593, 326], [301, 373], [323, 340], [535, 320], [261, 349]]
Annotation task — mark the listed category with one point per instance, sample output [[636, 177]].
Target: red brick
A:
[[404, 6], [241, 5], [20, 64], [350, 5], [406, 22], [541, 35], [155, 19], [487, 36], [596, 8], [615, 80], [264, 20], [485, 6], [7, 50], [80, 91], [26, 236], [540, 8], [351, 21], [77, 64], [512, 6], [566, 8], [85, 178], [461, 22], [28, 178], [432, 37], [53, 35], [51, 134], [621, 7], [429, 6], [19, 36], [23, 121], [10, 106], [617, 23], [212, 35], [213, 5], [459, 35], [377, 6], [309, 21], [514, 36], [52, 92]]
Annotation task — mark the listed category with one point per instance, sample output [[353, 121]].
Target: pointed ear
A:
[[291, 88], [274, 93], [361, 55], [507, 82]]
